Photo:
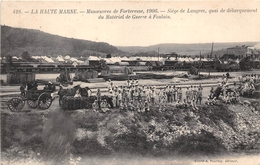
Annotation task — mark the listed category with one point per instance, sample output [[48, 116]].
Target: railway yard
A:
[[214, 131]]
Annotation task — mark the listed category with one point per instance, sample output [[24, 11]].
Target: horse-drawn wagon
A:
[[34, 98]]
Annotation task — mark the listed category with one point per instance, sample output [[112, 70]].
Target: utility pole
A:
[[158, 55], [211, 50], [211, 56], [199, 65]]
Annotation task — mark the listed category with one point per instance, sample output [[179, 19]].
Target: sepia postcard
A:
[[130, 82]]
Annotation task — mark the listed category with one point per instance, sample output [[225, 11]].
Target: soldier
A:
[[143, 96], [164, 98], [178, 103], [141, 106], [109, 84], [137, 106], [227, 98], [180, 93], [123, 95], [98, 95], [223, 79], [195, 93], [185, 105], [104, 106], [135, 96], [224, 91], [168, 93], [119, 98], [156, 97], [146, 106], [208, 101], [132, 83], [110, 99], [34, 85], [211, 93], [128, 95], [130, 105], [148, 93], [22, 89], [29, 85], [174, 91], [214, 101], [200, 87], [114, 97], [95, 106], [136, 82], [160, 94], [193, 104], [199, 95], [153, 96], [188, 94]]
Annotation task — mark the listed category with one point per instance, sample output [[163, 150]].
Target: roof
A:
[[93, 58], [44, 58], [60, 58], [122, 63]]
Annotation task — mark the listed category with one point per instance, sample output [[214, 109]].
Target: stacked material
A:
[[73, 103]]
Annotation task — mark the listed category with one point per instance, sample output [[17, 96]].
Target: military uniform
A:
[[180, 94], [174, 91], [199, 95]]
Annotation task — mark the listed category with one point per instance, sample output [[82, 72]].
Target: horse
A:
[[84, 92], [67, 92]]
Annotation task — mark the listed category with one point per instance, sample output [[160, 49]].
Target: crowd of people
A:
[[135, 97], [246, 84], [140, 98]]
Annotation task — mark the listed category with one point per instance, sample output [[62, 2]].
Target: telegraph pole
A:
[[158, 55], [211, 56], [199, 65]]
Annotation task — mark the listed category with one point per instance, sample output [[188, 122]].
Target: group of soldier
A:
[[247, 84], [140, 98]]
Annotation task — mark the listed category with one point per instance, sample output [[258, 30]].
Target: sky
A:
[[185, 27]]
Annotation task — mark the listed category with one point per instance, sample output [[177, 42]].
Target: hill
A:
[[184, 49], [15, 41]]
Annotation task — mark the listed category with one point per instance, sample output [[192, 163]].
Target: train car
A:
[[46, 67], [154, 65], [169, 65], [21, 68], [63, 67]]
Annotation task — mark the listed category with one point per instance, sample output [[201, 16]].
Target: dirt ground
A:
[[54, 136], [77, 136]]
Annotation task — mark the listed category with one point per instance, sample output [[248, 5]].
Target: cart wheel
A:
[[32, 103], [45, 101], [16, 104], [60, 101], [57, 79]]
